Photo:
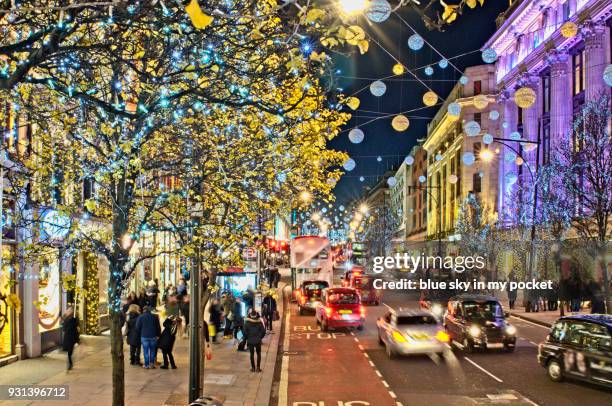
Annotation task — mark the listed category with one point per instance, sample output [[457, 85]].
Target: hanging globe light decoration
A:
[[378, 88], [341, 208], [487, 139], [468, 158], [471, 128], [525, 97], [493, 115], [569, 29], [415, 42], [608, 75], [464, 80], [422, 179], [400, 123], [349, 165], [392, 181], [438, 157], [361, 179], [409, 160], [510, 157], [398, 69], [430, 98], [519, 161], [515, 135], [454, 109], [489, 55], [452, 179], [429, 71], [481, 102], [505, 124], [378, 11], [443, 63], [356, 135], [510, 178], [528, 146], [379, 159]]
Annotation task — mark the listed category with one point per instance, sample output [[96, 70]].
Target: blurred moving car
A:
[[404, 332], [348, 274], [364, 284], [580, 347], [309, 295], [478, 321], [435, 301], [340, 307]]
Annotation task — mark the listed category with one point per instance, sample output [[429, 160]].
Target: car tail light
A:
[[362, 310], [398, 337], [442, 336], [328, 311]]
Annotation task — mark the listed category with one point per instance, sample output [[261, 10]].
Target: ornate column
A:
[[560, 98], [507, 171], [595, 58], [531, 120]]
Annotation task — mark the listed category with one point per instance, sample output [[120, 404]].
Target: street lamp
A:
[[353, 6], [486, 155], [363, 208]]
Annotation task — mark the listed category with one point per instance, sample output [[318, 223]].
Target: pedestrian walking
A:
[[141, 299], [132, 336], [167, 338], [183, 300], [149, 329], [238, 318], [269, 309], [152, 292], [70, 330], [227, 301], [215, 318], [254, 332]]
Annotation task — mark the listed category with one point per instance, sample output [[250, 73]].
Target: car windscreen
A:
[[415, 320], [482, 310], [343, 298], [315, 286], [363, 282]]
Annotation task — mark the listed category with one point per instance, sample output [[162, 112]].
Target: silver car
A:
[[404, 332]]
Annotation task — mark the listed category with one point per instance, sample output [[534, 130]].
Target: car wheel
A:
[[554, 371], [389, 351], [509, 348], [468, 346], [324, 327], [360, 327]]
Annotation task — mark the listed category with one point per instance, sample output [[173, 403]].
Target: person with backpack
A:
[[167, 339], [254, 332]]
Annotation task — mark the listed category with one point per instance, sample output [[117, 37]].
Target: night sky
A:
[[466, 35]]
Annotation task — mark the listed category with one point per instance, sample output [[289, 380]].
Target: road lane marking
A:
[[531, 402], [372, 364], [390, 308], [386, 384], [360, 347], [379, 374], [398, 404], [284, 377], [483, 370], [393, 395], [356, 339], [533, 343], [366, 354], [531, 322]]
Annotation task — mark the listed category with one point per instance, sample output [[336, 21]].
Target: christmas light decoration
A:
[[400, 123], [525, 97], [430, 98], [378, 88], [415, 42]]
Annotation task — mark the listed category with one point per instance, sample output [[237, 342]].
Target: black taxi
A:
[[580, 347], [474, 320]]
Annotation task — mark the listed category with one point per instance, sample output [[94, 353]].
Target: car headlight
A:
[[437, 310], [510, 330], [474, 331]]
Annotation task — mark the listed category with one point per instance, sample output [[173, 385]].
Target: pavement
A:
[[227, 375], [543, 318]]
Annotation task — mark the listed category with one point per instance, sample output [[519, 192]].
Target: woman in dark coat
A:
[[167, 338], [133, 336], [70, 330], [254, 332], [215, 318]]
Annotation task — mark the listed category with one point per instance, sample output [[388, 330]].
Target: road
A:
[[350, 368]]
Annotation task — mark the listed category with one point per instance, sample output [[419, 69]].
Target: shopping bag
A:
[[211, 330], [276, 315]]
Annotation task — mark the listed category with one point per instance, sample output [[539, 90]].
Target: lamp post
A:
[[427, 189]]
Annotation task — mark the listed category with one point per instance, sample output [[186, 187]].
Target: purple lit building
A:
[[563, 63]]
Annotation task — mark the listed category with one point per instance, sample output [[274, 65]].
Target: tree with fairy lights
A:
[[190, 125], [379, 228]]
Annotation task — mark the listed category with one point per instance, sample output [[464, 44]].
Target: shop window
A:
[[478, 118], [477, 148], [546, 93], [476, 183], [579, 77], [477, 87]]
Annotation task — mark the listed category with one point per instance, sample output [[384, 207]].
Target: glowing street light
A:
[[486, 155], [363, 208], [353, 6]]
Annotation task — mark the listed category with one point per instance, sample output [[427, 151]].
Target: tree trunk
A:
[[118, 366], [604, 272]]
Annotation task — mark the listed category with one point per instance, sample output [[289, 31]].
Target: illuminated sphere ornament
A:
[[324, 209], [505, 124], [487, 139], [409, 160], [464, 80], [493, 115], [361, 179], [398, 69], [400, 123], [356, 135], [454, 109], [349, 165], [379, 159], [519, 161], [481, 102], [468, 158], [438, 157], [415, 42], [515, 135], [378, 88], [525, 97], [489, 55], [422, 179], [608, 75], [510, 178], [443, 63], [341, 208], [429, 71], [378, 11], [453, 179], [569, 29], [430, 98], [510, 157], [528, 146], [392, 181], [471, 128]]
